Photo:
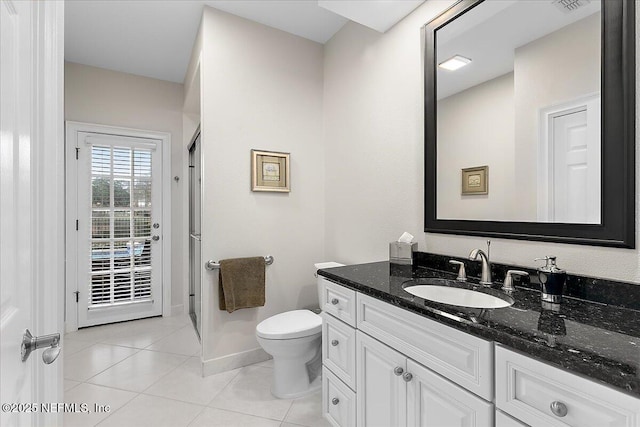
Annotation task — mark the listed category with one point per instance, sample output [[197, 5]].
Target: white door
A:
[[576, 189], [382, 391], [119, 227], [569, 172], [433, 401], [31, 205]]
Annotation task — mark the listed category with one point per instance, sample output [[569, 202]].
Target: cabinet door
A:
[[382, 392], [432, 401]]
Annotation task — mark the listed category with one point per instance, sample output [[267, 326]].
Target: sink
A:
[[457, 296]]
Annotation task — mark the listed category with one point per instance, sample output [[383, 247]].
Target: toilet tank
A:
[[321, 265]]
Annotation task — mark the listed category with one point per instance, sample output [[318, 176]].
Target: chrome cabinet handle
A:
[[30, 343], [334, 343], [155, 238], [335, 301], [559, 409], [398, 371], [335, 401], [407, 376]]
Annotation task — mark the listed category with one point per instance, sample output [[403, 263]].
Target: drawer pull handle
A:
[[335, 401], [334, 343], [335, 301], [559, 409], [398, 371], [407, 376]]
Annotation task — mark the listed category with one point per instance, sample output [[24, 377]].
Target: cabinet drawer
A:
[[338, 401], [504, 420], [459, 357], [338, 301], [339, 349], [526, 388]]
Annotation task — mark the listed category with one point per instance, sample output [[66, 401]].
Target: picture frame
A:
[[270, 171], [475, 181]]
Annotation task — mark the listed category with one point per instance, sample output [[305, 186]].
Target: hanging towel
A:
[[241, 283]]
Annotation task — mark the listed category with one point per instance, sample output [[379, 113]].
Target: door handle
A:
[[155, 238], [30, 343]]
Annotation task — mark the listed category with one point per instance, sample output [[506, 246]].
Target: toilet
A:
[[294, 339]]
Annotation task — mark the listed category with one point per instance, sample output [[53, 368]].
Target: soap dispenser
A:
[[552, 280]]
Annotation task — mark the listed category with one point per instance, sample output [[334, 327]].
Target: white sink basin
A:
[[458, 296]]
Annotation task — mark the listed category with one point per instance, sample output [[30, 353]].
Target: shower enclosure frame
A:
[[195, 218]]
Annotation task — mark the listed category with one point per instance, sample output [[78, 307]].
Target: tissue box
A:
[[402, 253]]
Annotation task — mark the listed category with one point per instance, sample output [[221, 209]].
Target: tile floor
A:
[[148, 372]]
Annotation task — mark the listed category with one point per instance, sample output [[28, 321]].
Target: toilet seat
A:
[[289, 325]]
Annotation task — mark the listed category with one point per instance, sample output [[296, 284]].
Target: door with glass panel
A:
[[195, 261], [119, 228]]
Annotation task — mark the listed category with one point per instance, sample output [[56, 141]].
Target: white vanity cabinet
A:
[[387, 366], [542, 395], [382, 373], [338, 353], [394, 390]]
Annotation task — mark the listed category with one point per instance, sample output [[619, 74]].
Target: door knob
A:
[[407, 376], [155, 238], [335, 301], [30, 343], [156, 225], [398, 370], [334, 343]]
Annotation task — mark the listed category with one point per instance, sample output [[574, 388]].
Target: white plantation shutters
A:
[[121, 222]]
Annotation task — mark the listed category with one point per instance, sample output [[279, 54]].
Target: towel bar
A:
[[212, 265]]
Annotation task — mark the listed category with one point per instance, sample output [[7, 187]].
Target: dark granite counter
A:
[[593, 339]]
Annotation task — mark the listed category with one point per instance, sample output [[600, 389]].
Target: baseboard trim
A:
[[233, 361]]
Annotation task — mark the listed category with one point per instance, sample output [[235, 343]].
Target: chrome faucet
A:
[[485, 279]]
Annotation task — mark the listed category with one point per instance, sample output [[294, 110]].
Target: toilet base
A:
[[297, 365], [314, 387]]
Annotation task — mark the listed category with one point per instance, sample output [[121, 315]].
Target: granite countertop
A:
[[593, 339]]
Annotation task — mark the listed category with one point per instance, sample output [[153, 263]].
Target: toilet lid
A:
[[290, 324]]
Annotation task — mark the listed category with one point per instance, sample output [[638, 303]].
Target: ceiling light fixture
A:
[[454, 63]]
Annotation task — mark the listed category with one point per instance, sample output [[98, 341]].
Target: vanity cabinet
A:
[[387, 366], [394, 390], [542, 395], [379, 363], [504, 420], [338, 353]]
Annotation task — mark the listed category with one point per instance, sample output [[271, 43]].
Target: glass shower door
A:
[[195, 261]]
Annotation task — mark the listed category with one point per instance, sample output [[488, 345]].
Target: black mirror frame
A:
[[618, 142]]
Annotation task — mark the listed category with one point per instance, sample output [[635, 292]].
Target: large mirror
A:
[[529, 120]]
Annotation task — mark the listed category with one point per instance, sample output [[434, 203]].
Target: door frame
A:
[[71, 178], [590, 103]]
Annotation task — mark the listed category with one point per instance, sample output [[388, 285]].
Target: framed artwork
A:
[[475, 181], [270, 171]]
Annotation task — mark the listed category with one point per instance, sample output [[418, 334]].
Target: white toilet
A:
[[294, 339]]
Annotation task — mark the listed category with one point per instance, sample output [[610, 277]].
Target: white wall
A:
[[373, 112], [486, 138], [96, 95], [262, 89], [573, 53]]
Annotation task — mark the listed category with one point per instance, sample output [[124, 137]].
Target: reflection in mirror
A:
[[518, 90]]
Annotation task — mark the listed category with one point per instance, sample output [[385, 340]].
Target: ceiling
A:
[[154, 38], [490, 34]]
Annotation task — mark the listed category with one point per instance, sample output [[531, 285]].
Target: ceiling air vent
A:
[[570, 5]]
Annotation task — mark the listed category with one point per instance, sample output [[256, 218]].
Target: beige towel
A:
[[241, 283]]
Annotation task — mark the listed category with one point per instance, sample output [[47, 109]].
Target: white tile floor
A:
[[148, 372]]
